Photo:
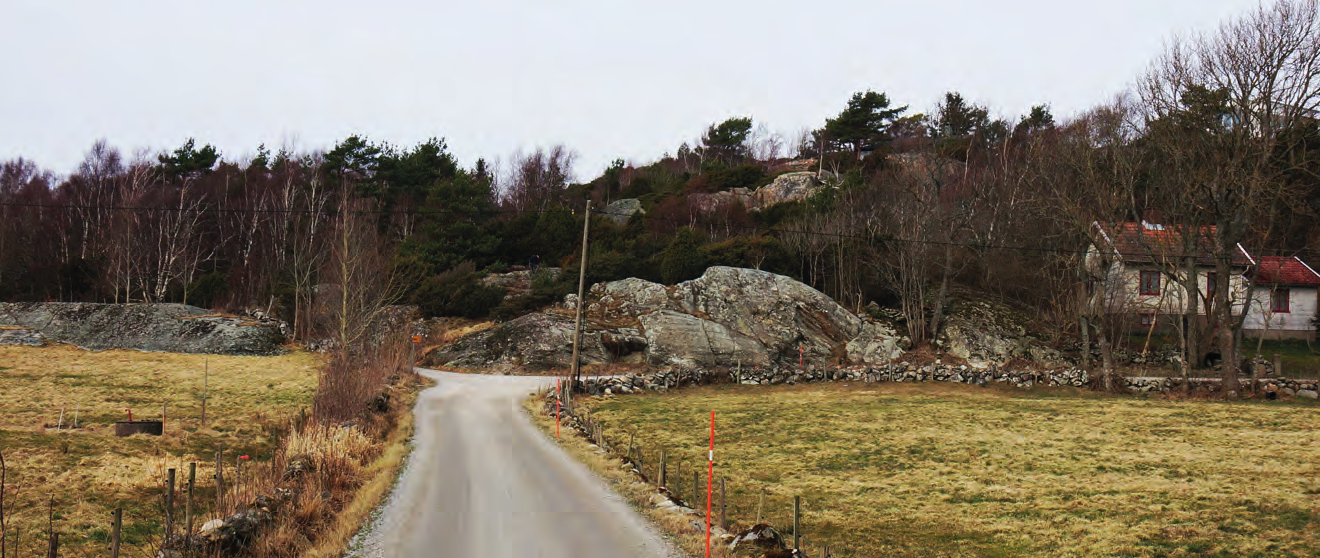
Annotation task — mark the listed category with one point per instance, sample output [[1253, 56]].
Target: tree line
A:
[[1219, 134]]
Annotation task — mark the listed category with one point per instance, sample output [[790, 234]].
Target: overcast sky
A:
[[609, 79]]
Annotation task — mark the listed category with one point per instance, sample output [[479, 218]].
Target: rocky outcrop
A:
[[622, 210], [13, 335], [984, 333], [175, 328], [537, 341], [733, 316], [520, 281], [727, 318], [787, 187]]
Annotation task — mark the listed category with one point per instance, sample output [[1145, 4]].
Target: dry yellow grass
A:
[[88, 471], [946, 470]]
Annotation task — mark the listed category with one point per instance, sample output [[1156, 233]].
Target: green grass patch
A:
[[946, 470]]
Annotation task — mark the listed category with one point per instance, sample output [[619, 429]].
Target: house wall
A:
[[1125, 296], [1301, 305]]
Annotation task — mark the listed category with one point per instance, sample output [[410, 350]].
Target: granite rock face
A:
[[984, 333], [787, 187], [175, 328], [539, 341], [729, 317], [622, 210]]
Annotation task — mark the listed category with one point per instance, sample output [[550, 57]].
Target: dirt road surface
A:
[[483, 482]]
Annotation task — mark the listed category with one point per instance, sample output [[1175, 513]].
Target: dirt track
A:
[[483, 482]]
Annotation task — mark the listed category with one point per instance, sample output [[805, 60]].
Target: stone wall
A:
[[669, 378]]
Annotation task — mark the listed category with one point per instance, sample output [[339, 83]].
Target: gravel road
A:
[[483, 482]]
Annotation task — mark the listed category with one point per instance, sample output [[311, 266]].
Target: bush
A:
[[457, 292]]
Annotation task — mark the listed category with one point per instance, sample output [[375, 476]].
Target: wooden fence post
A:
[[724, 524], [114, 532], [797, 522], [696, 488], [54, 550], [169, 504], [1278, 366], [760, 503], [188, 516], [663, 464], [219, 484]]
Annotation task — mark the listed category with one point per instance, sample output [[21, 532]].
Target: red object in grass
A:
[[244, 457], [130, 414]]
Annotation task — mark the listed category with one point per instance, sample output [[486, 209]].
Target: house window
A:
[[1150, 282], [1279, 301], [1147, 320]]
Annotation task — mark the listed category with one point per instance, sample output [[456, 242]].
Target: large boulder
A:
[[984, 332], [539, 341], [148, 327], [731, 316], [622, 210], [728, 317]]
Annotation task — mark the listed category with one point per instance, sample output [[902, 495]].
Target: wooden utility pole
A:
[[582, 283]]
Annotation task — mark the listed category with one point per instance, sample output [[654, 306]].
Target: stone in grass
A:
[[1307, 393], [784, 553], [760, 538]]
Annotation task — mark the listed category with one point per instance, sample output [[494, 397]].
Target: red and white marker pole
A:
[[710, 481], [559, 396]]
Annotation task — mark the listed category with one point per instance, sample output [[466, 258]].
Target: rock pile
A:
[[757, 540], [984, 332], [149, 327]]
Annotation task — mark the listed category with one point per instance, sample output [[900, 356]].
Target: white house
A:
[[1283, 301], [1144, 267]]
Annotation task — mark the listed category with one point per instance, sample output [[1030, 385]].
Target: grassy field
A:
[[949, 470], [87, 471]]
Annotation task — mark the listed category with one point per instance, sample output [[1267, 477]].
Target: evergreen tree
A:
[[682, 259], [864, 123]]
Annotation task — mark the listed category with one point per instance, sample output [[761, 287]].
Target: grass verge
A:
[[944, 470]]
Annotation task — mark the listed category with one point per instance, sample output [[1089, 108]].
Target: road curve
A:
[[483, 482]]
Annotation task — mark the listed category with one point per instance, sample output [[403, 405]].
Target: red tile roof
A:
[[1144, 242], [1280, 270]]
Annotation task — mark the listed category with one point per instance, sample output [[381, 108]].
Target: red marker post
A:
[[710, 481]]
